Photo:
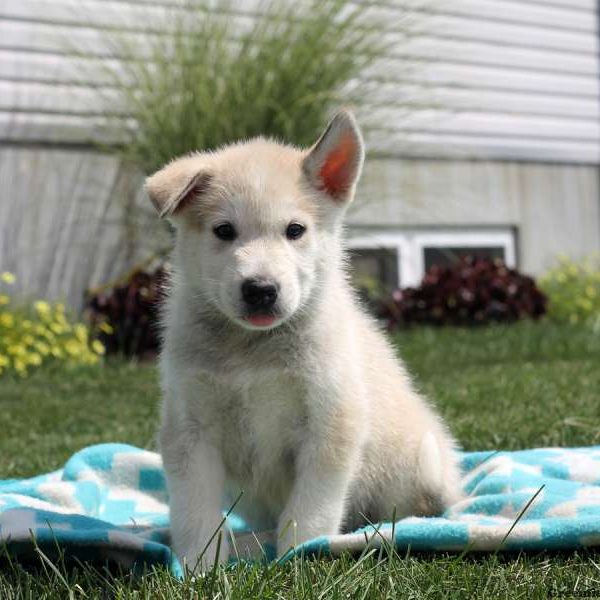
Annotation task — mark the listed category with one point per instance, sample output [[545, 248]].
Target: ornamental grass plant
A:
[[214, 73]]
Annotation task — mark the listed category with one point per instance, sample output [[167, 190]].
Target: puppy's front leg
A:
[[195, 478], [325, 466]]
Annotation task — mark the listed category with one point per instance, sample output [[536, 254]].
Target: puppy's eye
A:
[[294, 231], [225, 232]]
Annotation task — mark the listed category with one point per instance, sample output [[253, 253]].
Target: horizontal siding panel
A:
[[34, 67], [515, 11], [483, 77], [495, 54], [48, 65], [589, 6], [485, 124], [49, 38], [140, 18], [526, 36], [417, 121], [60, 129], [61, 39], [95, 14], [68, 99], [456, 99], [37, 128], [57, 39], [60, 99], [393, 70], [580, 6], [133, 15], [481, 147], [482, 71]]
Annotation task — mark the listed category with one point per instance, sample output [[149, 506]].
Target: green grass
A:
[[502, 387]]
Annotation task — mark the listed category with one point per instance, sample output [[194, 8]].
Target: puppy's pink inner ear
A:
[[338, 170]]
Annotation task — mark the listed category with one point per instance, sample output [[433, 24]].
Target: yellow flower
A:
[[16, 350], [4, 361], [7, 320], [97, 347], [46, 333], [4, 299], [42, 307], [33, 359], [57, 352], [42, 348], [20, 367], [106, 328], [7, 277], [81, 332], [72, 347], [57, 328]]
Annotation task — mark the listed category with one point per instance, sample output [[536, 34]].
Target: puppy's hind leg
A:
[[437, 479]]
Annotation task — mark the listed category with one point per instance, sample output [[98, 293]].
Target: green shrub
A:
[[40, 333], [215, 76], [573, 290]]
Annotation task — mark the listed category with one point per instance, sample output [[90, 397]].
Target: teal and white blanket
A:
[[109, 503]]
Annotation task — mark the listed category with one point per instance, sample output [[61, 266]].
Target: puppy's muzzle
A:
[[259, 296]]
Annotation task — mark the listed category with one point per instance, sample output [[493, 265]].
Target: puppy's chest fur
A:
[[261, 424]]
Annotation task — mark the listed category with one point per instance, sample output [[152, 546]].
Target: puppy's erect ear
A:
[[175, 185], [333, 164]]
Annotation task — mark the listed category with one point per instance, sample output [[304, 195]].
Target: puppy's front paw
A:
[[292, 533], [287, 536], [200, 557]]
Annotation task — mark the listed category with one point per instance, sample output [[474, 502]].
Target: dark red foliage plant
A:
[[474, 291], [124, 315]]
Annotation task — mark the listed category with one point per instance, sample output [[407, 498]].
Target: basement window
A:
[[401, 258]]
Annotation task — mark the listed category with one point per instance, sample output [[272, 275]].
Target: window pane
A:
[[375, 268], [448, 255]]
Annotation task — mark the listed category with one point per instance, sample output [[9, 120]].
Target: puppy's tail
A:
[[430, 465]]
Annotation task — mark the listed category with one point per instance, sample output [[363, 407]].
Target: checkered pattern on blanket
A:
[[109, 502]]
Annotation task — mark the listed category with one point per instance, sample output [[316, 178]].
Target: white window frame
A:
[[410, 246]]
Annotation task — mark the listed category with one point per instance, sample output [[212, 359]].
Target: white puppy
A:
[[275, 380]]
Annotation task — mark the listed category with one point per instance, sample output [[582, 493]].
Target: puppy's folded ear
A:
[[333, 164], [174, 186]]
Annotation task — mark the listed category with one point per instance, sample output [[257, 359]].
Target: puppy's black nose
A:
[[259, 294]]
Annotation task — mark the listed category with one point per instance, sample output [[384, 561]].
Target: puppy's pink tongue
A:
[[261, 320]]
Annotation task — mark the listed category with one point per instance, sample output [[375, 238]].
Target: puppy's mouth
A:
[[261, 319]]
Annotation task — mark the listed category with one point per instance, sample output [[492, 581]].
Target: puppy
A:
[[275, 380]]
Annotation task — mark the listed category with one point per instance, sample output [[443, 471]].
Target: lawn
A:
[[501, 387]]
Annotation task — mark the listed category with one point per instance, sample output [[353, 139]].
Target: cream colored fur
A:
[[314, 417]]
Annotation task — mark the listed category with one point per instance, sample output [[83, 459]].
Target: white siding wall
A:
[[553, 209], [71, 220], [508, 79]]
